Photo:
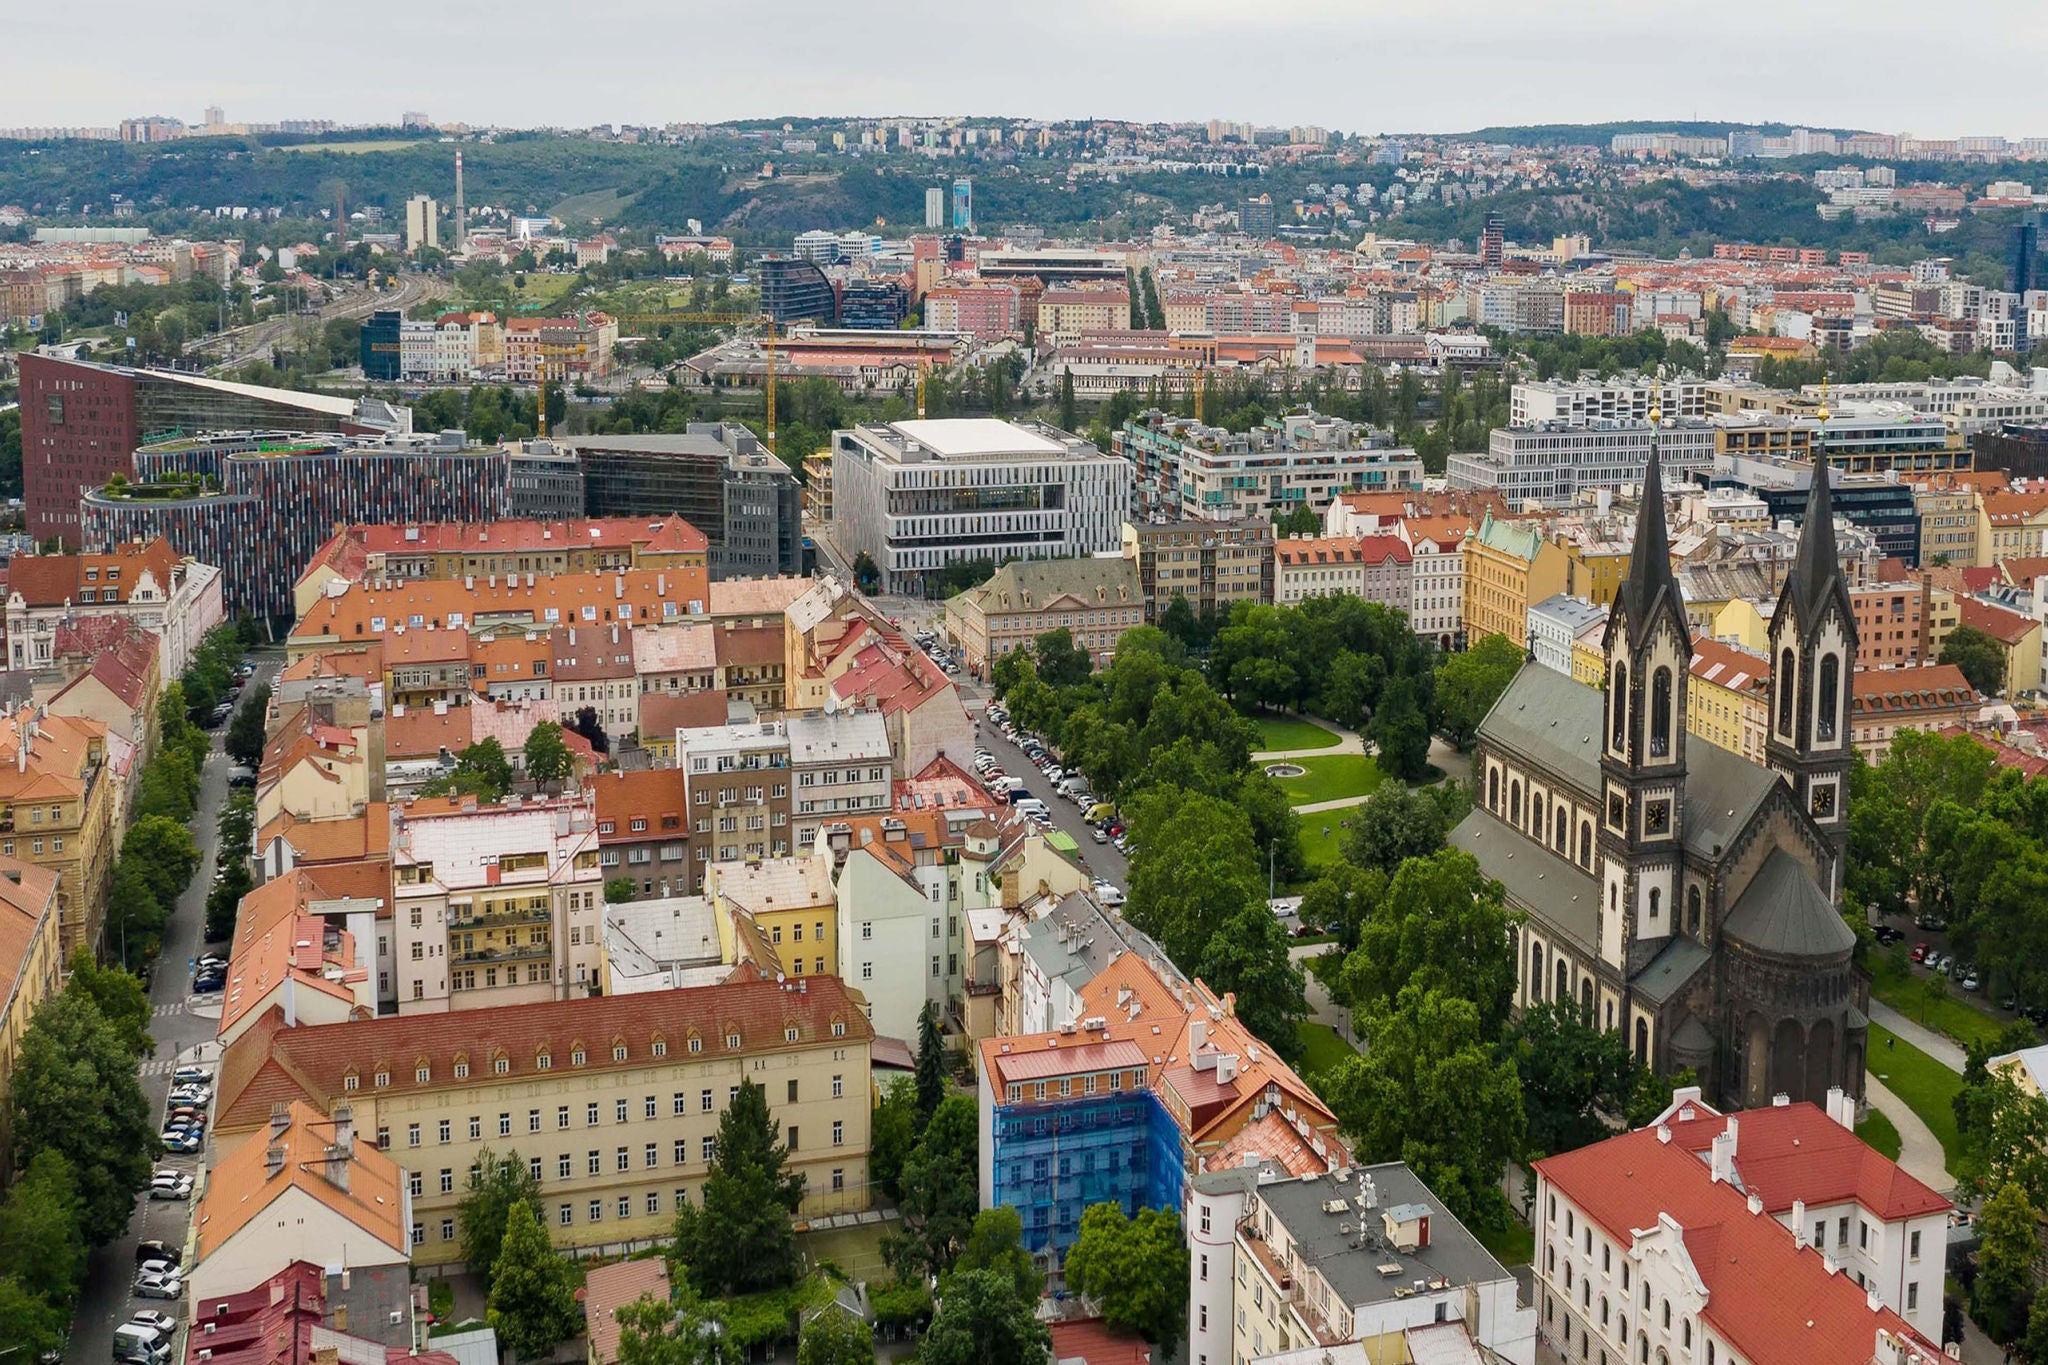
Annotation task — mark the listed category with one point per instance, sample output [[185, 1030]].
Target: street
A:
[[105, 1302], [1101, 860], [240, 345]]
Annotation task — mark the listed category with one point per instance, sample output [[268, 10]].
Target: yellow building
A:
[[1740, 622], [1727, 702], [781, 913], [31, 964], [611, 1103], [1589, 654], [1949, 517], [2010, 525], [1507, 567], [1598, 566], [57, 810], [2019, 636]]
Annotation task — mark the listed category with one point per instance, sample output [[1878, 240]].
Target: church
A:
[[1682, 894]]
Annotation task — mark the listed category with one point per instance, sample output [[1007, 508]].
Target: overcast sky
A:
[[1357, 65]]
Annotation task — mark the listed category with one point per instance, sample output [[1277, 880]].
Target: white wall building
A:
[[1624, 398], [1554, 623]]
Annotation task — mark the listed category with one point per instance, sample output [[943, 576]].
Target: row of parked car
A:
[[146, 1337], [1102, 820]]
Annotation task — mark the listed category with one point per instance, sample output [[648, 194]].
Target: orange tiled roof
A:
[[27, 894], [2007, 627], [241, 1187]]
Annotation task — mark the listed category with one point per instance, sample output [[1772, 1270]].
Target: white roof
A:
[[946, 436], [312, 402], [2033, 1059]]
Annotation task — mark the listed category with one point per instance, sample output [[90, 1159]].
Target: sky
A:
[[1362, 66]]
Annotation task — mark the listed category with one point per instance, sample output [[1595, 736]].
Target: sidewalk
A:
[[1920, 1156], [1936, 1045], [1348, 742]]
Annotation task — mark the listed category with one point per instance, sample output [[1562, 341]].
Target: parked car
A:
[[241, 775], [160, 1286], [184, 1142], [1100, 835], [1887, 935], [178, 1187], [158, 1251], [186, 1075], [157, 1266], [151, 1318], [1110, 896], [1971, 981], [1919, 953]]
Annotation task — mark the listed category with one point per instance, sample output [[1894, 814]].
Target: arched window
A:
[[1656, 902], [1564, 980], [1586, 997], [1493, 790], [1535, 971], [1664, 1306], [1515, 803], [1617, 706], [1826, 705], [1564, 830], [1784, 685], [1586, 844], [1660, 713], [1643, 1042], [1643, 1348], [1692, 911], [1536, 820]]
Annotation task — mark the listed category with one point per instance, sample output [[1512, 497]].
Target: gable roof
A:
[[1789, 1152], [241, 1187]]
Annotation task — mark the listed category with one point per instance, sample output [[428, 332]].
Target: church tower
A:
[[1642, 758], [1813, 663]]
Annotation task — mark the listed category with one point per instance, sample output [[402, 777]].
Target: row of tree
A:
[[2003, 1130], [81, 1142], [158, 855]]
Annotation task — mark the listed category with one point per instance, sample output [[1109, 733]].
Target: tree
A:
[[892, 1133], [245, 735], [1301, 520], [588, 726], [163, 851], [677, 1331], [1061, 663], [481, 770], [119, 997], [39, 1229], [867, 575], [533, 1291], [1070, 411], [2036, 1346], [224, 898], [931, 1064], [1136, 1269], [547, 756], [1396, 823], [167, 786], [982, 1321], [1338, 901], [739, 1240], [1981, 658], [1443, 925], [1400, 732], [997, 1243], [28, 1320], [1199, 870], [834, 1336], [939, 1194], [1431, 1090], [75, 1092], [1576, 1077], [619, 890], [1248, 956], [1468, 684], [2006, 1255], [135, 917], [496, 1184]]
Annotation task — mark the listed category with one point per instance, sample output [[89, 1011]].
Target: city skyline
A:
[[1395, 69]]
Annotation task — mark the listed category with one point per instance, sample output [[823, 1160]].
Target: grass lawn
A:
[[1321, 1049], [1927, 1087], [1316, 849], [1877, 1130], [1278, 734], [1954, 1014], [1332, 777], [1516, 1246]]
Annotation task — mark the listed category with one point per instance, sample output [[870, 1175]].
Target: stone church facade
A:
[[1685, 896]]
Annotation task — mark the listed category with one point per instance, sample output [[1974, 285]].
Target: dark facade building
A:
[[547, 483], [1686, 897], [81, 422], [875, 305], [795, 291], [2020, 451], [1879, 506], [379, 344], [715, 476], [1492, 243], [2026, 248], [1255, 215], [275, 497]]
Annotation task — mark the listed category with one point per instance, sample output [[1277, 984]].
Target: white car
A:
[[151, 1318], [150, 1285], [171, 1187]]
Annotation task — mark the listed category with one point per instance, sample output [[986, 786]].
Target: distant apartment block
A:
[[1187, 471]]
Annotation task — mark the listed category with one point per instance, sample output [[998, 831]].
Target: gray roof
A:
[[1028, 584], [1668, 972], [1558, 893], [1324, 1241], [1783, 912], [1573, 613], [1553, 722]]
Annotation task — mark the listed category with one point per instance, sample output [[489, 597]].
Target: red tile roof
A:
[[1341, 550], [664, 713], [1898, 691], [1094, 1342], [1796, 1152], [2007, 627], [1768, 1296]]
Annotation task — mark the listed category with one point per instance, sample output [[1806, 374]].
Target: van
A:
[[1007, 784], [1100, 811], [1031, 805], [140, 1345], [1073, 785]]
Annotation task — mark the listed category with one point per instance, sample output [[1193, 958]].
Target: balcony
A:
[[506, 920], [526, 952]]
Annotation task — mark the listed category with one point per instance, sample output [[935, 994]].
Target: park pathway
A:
[[1939, 1046], [1348, 741], [1920, 1156]]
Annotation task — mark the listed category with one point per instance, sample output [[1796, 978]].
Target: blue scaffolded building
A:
[[1067, 1122]]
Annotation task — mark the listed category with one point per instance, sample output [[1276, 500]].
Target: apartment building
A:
[[643, 831], [1282, 1261], [1555, 625], [1187, 471], [917, 496], [1507, 566], [495, 905], [1624, 398], [1804, 1226], [737, 778], [1436, 556], [986, 311], [2017, 634], [1884, 701], [175, 598], [58, 811], [1552, 463], [592, 670], [841, 763], [1728, 703], [2012, 524], [613, 1103], [1376, 568], [1096, 600], [1948, 523], [1071, 312], [1891, 623], [31, 963], [778, 913], [561, 349], [1213, 564]]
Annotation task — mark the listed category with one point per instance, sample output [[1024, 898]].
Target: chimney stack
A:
[[345, 1128], [273, 1160], [280, 1118], [334, 1165]]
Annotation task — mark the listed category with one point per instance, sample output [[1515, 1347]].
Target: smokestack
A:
[[461, 214]]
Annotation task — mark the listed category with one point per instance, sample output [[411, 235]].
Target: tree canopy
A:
[[533, 1304], [739, 1240], [1136, 1269], [75, 1093], [496, 1184]]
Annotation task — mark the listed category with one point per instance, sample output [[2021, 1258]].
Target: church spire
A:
[[1818, 566], [1650, 586]]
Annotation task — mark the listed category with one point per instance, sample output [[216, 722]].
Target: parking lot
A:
[[1104, 861]]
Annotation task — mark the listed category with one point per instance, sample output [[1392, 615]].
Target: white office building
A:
[[1623, 398], [1550, 464], [916, 496]]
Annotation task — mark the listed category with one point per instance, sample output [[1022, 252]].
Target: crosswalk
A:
[[159, 1066], [166, 1011]]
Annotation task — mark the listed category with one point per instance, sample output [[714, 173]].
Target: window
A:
[[1913, 1246], [1617, 706], [562, 1166], [838, 1132], [1782, 680], [792, 1137], [593, 1162], [476, 1127], [412, 1135], [653, 1154], [504, 1125], [708, 1149], [1826, 706], [566, 1215], [625, 1159], [561, 1116], [597, 1210], [533, 1120], [1912, 1293], [704, 1101], [839, 1091]]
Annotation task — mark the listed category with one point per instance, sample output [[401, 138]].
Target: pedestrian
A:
[[1888, 1041]]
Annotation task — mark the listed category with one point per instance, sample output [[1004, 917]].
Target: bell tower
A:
[[1642, 754], [1813, 665]]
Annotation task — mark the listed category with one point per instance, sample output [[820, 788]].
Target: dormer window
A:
[[789, 1034], [383, 1079], [543, 1061], [696, 1043], [732, 1041], [578, 1057], [838, 1028], [618, 1052], [462, 1071], [351, 1082], [422, 1074]]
